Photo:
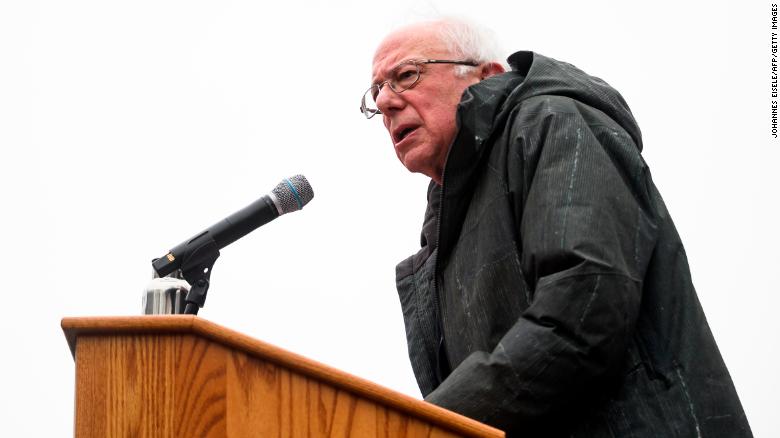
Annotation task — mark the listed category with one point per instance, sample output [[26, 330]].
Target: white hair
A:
[[470, 41]]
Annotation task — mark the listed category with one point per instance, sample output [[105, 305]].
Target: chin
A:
[[420, 163], [412, 167], [418, 168]]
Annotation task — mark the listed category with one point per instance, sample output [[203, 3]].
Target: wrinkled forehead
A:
[[404, 44]]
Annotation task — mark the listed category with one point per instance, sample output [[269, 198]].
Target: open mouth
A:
[[404, 132]]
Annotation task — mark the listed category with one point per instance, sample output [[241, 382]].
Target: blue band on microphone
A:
[[295, 193]]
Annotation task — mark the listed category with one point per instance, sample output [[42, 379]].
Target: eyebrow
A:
[[373, 80], [377, 81], [398, 64]]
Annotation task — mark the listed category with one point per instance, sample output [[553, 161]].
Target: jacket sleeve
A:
[[585, 237]]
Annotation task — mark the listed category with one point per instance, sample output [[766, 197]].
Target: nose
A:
[[388, 100]]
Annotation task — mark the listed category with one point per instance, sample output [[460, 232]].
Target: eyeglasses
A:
[[403, 77]]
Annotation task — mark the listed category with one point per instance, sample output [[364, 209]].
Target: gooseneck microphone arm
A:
[[196, 256]]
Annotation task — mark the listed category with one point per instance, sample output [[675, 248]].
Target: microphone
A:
[[289, 195]]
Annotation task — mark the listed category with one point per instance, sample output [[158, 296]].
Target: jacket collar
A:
[[478, 113], [481, 109]]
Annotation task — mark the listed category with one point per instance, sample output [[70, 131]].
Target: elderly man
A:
[[551, 295]]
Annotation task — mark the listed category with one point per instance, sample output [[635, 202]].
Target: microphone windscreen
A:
[[292, 194]]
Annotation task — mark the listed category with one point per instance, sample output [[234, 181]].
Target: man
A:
[[552, 295]]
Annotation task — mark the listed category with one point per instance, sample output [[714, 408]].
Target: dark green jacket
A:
[[552, 295]]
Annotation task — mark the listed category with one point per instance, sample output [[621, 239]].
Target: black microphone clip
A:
[[196, 263]]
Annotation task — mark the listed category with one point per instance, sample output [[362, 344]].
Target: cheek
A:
[[442, 114], [443, 124]]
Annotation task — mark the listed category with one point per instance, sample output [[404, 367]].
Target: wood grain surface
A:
[[182, 376]]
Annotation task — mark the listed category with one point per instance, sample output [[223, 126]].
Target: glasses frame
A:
[[371, 112]]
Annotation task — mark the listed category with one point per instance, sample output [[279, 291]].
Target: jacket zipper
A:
[[441, 354]]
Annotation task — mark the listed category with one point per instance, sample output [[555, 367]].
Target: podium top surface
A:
[[199, 327]]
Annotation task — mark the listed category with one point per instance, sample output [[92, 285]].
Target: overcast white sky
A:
[[127, 127]]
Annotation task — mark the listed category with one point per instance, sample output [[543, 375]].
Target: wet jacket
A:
[[552, 295]]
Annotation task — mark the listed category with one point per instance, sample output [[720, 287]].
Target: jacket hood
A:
[[490, 102], [547, 76], [487, 105]]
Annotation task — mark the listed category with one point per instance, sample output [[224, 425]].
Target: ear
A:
[[489, 69]]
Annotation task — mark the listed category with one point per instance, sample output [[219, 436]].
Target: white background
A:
[[127, 127]]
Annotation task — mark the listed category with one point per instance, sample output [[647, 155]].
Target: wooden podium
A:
[[183, 376]]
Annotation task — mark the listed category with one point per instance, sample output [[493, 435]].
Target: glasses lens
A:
[[405, 76], [402, 78], [368, 104]]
